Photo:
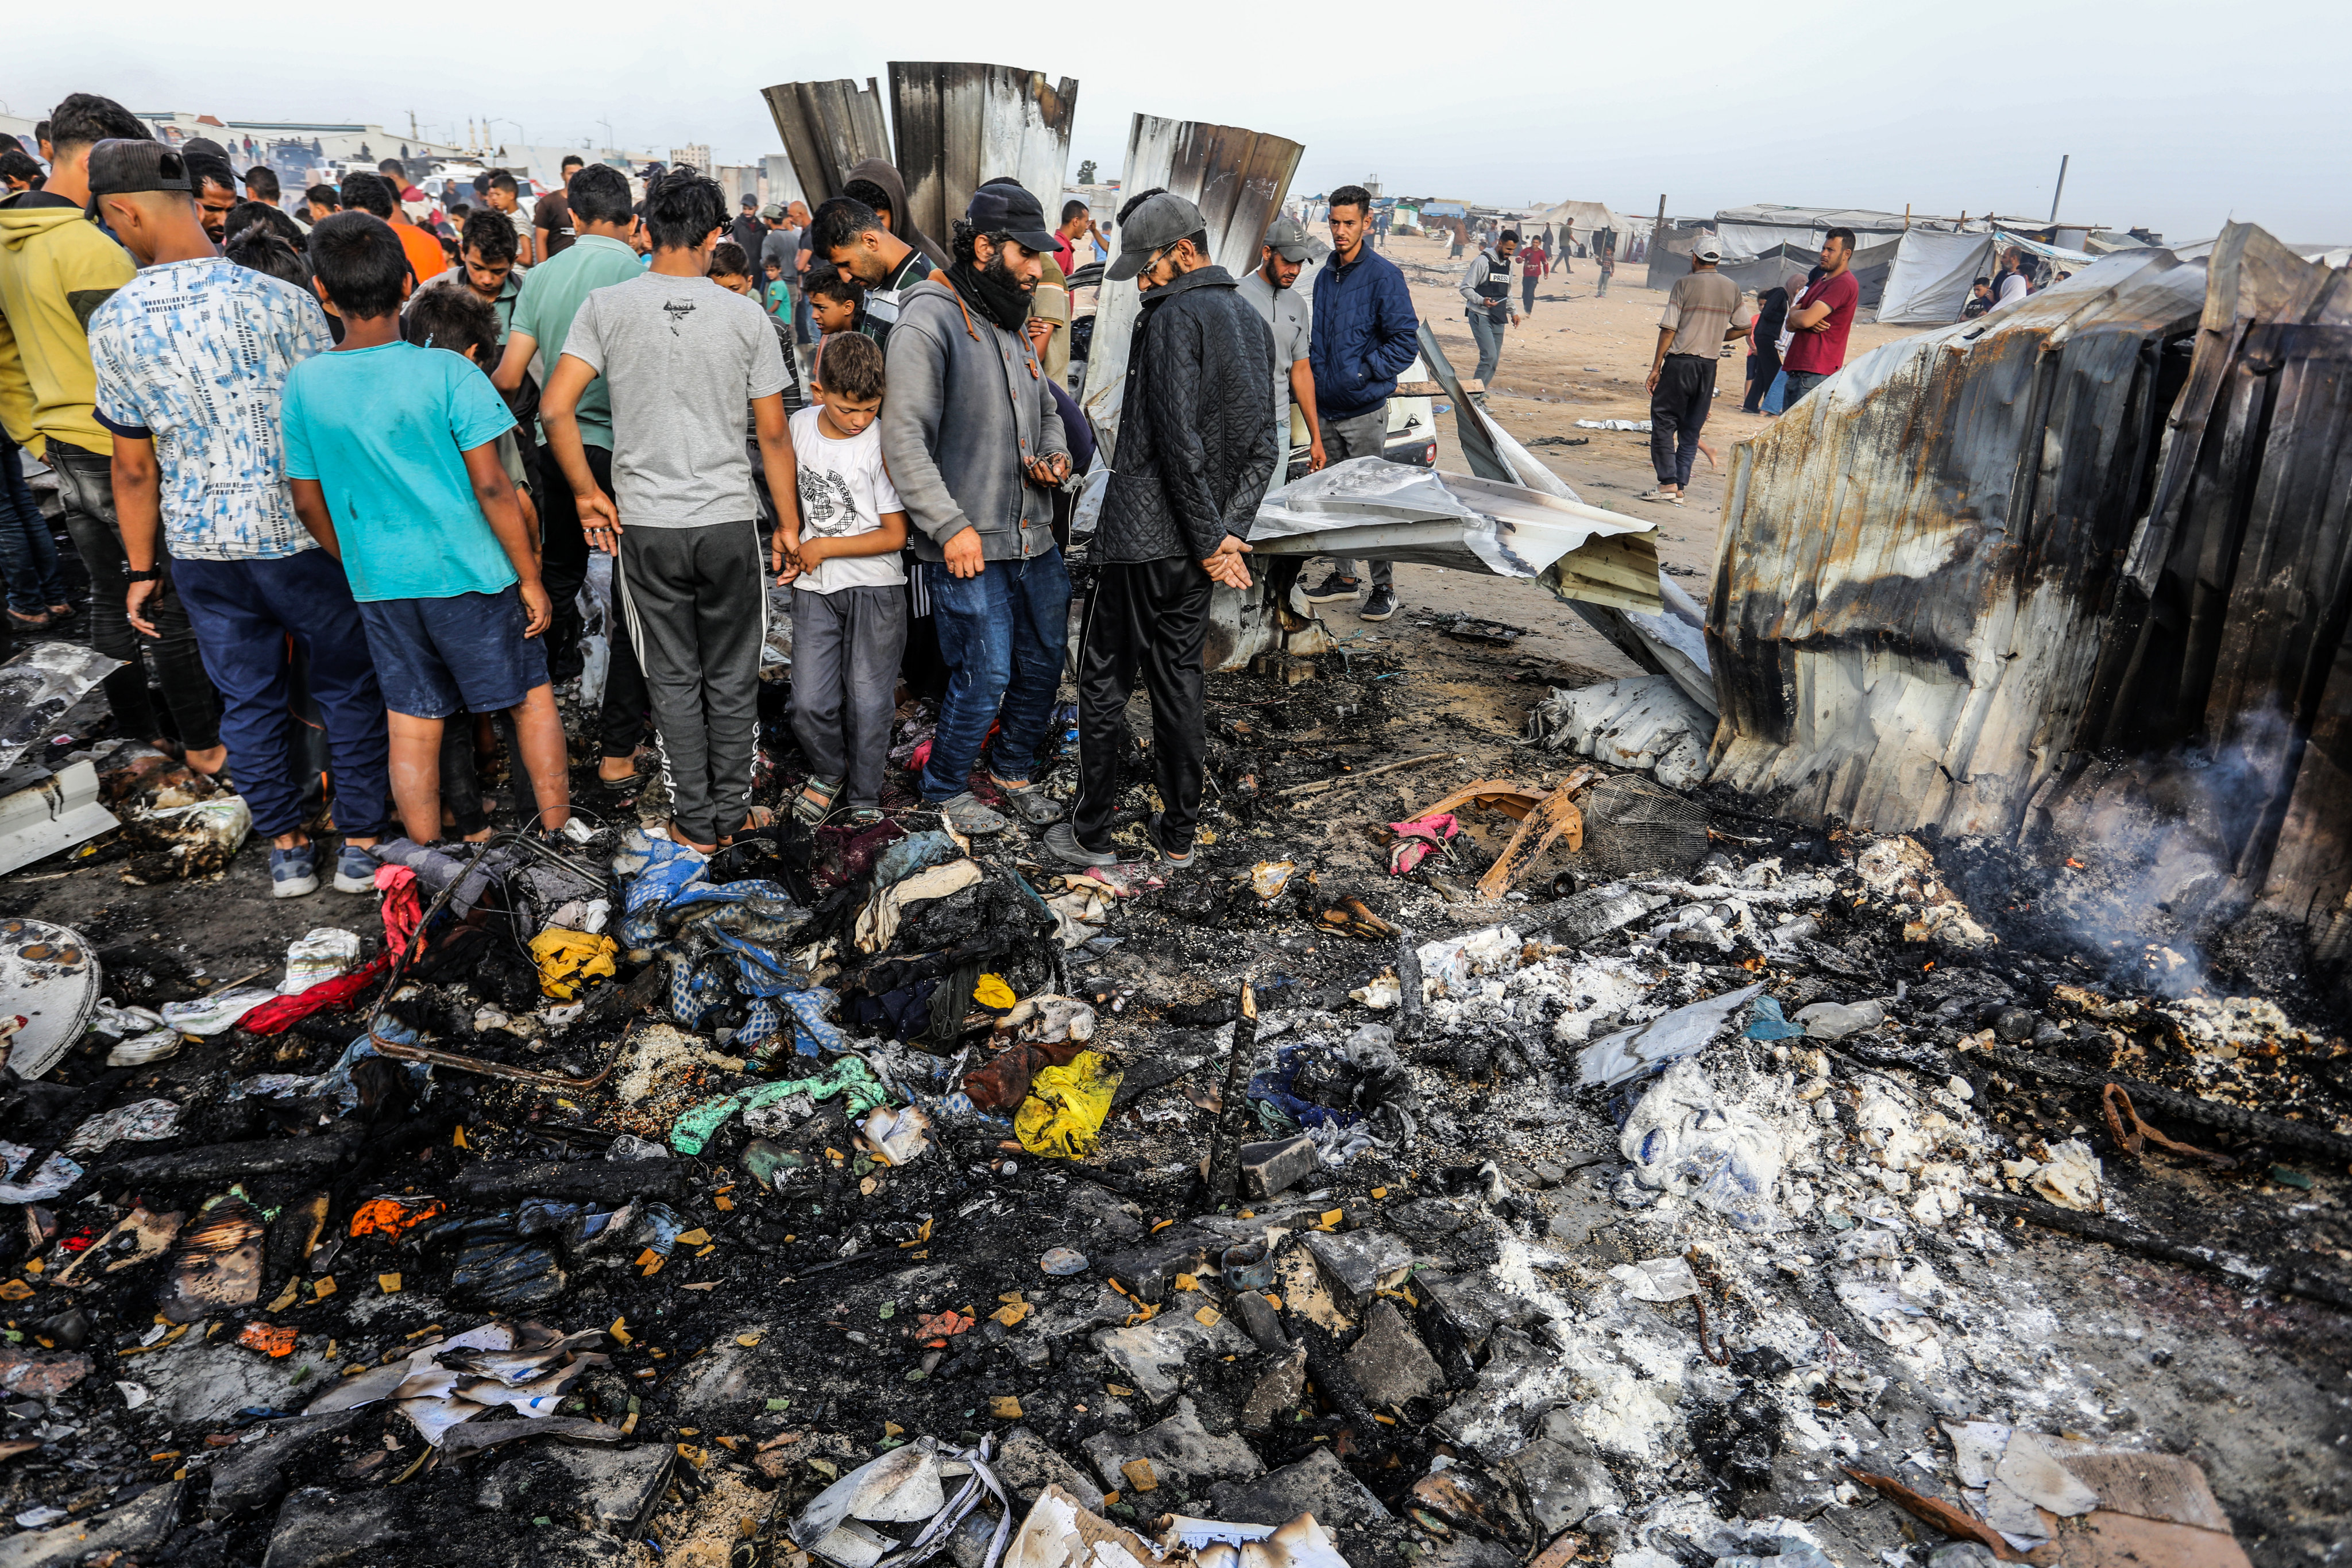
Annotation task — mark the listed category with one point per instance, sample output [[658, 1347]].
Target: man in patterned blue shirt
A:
[[192, 357]]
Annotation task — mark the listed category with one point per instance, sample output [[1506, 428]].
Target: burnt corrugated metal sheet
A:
[[827, 127], [2226, 639], [1914, 562], [1238, 177], [960, 124]]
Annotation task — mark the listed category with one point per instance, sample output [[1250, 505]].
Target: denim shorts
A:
[[435, 656]]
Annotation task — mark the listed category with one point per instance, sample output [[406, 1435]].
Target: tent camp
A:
[[1748, 232], [1874, 257], [1580, 220], [1929, 282]]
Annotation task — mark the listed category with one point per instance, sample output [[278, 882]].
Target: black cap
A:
[[205, 146], [1009, 209], [122, 166]]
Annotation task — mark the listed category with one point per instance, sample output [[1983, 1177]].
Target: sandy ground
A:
[[1580, 356]]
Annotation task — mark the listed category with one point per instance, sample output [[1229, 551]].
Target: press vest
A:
[[1496, 290]]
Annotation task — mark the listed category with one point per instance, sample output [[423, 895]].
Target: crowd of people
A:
[[336, 467]]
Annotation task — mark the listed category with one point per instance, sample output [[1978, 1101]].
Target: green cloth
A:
[[850, 1075], [552, 295]]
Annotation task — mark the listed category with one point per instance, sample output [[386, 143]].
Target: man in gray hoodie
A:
[[975, 446]]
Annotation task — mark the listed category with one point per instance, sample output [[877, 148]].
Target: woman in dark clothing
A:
[[1764, 351]]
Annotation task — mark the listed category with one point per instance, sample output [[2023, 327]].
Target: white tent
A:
[[1580, 219], [1930, 279]]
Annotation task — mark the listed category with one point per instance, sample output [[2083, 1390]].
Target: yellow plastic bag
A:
[[1063, 1116], [568, 960]]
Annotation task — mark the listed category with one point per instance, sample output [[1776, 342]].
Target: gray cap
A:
[[1706, 248], [775, 212], [1161, 221], [1289, 238]]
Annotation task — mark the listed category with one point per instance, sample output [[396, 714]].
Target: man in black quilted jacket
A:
[[1196, 446]]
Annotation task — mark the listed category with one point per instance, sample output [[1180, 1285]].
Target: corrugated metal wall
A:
[[959, 124]]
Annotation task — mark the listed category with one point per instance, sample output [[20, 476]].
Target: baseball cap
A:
[[774, 212], [1289, 238], [1708, 248], [122, 166], [1009, 209], [1159, 221]]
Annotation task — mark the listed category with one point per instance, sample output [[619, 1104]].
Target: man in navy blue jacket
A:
[[1364, 338]]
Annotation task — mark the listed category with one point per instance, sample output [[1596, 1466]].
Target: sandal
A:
[[24, 623], [1030, 803], [814, 800]]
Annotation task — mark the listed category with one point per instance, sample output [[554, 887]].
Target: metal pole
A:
[[2063, 159]]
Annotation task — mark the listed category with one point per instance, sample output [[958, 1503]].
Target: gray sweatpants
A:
[[846, 648], [697, 613], [1364, 436]]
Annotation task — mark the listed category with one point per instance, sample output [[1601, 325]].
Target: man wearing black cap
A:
[[56, 266], [191, 358], [975, 446], [1196, 443], [1286, 312]]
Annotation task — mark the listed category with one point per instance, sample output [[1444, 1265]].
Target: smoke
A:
[[2144, 853]]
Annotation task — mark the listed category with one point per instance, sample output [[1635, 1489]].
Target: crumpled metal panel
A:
[[1914, 561], [1238, 177], [828, 127], [959, 124]]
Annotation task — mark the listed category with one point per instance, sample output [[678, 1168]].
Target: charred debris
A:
[[1488, 1154]]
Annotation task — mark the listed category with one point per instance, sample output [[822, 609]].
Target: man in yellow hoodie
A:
[[56, 267]]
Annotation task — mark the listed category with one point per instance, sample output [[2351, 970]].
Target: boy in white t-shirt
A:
[[849, 599]]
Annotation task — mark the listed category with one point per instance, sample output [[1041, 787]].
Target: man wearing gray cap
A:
[[1703, 310], [975, 446], [1196, 445], [1286, 312]]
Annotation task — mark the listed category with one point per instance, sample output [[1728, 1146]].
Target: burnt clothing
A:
[[1147, 618], [1196, 440]]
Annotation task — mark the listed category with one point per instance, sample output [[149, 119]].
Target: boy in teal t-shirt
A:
[[392, 451], [779, 293]]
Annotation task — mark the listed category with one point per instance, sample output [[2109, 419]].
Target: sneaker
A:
[[1063, 840], [354, 870], [1177, 860], [1669, 498], [294, 872], [1029, 803], [1334, 588], [1379, 605], [968, 816]]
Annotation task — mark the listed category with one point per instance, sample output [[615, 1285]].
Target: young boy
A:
[[849, 600], [836, 301], [778, 294], [393, 453]]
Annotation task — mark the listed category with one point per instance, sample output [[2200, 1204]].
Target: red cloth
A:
[[403, 913], [1820, 353], [1418, 839], [271, 1018]]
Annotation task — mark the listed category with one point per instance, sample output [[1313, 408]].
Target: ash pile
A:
[[835, 1201]]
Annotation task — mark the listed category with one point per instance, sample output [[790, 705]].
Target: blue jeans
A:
[[244, 612], [1490, 345], [1002, 634], [28, 556], [1798, 384]]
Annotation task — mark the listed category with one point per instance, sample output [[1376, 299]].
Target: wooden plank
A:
[[1433, 389]]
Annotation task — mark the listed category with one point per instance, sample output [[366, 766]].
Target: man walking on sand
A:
[[1365, 335], [1486, 290], [1704, 309], [1821, 321]]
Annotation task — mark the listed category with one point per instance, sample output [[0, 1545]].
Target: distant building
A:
[[294, 144], [695, 156]]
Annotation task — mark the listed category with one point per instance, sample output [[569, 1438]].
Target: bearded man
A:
[[975, 446]]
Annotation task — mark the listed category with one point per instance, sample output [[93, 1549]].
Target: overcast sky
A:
[[2178, 116]]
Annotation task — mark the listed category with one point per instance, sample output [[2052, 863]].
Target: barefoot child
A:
[[392, 451]]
